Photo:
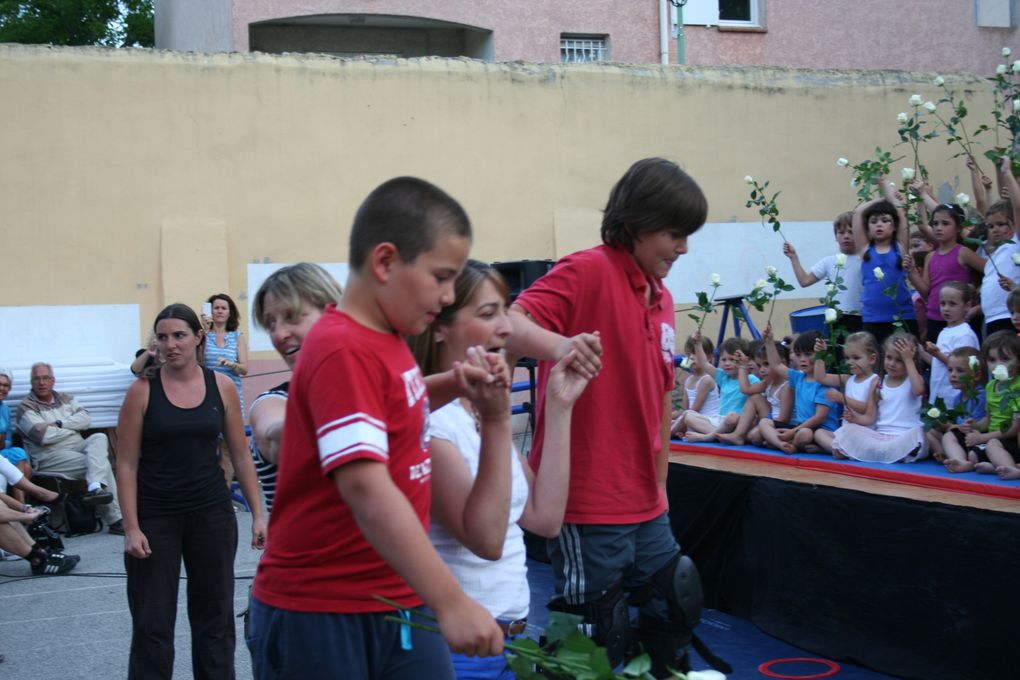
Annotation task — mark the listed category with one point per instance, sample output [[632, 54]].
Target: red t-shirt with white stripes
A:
[[356, 394]]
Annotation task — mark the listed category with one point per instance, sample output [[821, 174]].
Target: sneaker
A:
[[56, 563], [117, 528], [7, 557], [98, 497]]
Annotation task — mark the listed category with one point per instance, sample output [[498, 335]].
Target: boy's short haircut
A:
[[408, 212], [1001, 207], [296, 285], [964, 289], [1013, 301], [843, 222], [654, 194], [804, 343], [733, 345], [706, 345], [966, 353]]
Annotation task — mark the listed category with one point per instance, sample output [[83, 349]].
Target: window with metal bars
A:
[[583, 48]]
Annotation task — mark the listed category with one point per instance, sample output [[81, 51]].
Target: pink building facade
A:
[[926, 35]]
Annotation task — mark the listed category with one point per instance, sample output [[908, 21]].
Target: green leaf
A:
[[561, 625], [638, 666]]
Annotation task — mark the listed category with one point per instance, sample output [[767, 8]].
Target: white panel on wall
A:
[[701, 12], [91, 348], [739, 252], [258, 340]]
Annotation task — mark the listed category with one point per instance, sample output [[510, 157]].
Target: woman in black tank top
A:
[[176, 505]]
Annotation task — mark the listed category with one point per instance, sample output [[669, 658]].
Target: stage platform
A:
[[906, 569]]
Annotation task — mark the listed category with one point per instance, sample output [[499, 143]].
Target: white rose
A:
[[1000, 70], [934, 412], [830, 315], [1016, 66], [1016, 259], [842, 162], [1016, 104], [974, 363], [685, 363], [1006, 52], [908, 174], [939, 80], [748, 179], [962, 199], [1000, 372], [879, 274], [929, 107], [771, 271], [902, 118], [841, 260], [761, 283], [915, 100], [715, 279]]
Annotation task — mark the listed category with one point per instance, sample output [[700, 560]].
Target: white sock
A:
[[94, 486]]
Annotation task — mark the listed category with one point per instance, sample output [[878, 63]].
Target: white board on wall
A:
[[258, 340], [90, 347], [70, 334], [739, 252]]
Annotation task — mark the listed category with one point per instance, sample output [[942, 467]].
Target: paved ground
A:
[[78, 626]]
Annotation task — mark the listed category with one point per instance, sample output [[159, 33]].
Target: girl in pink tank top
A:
[[950, 261]]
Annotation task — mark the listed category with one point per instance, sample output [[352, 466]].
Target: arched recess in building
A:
[[349, 35]]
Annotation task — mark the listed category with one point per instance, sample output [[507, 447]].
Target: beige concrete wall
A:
[[135, 176]]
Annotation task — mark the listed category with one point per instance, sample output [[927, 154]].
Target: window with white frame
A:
[[582, 48], [735, 13]]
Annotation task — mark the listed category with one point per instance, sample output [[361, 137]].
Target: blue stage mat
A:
[[736, 640]]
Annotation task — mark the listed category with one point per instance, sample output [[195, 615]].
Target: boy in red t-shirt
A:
[[610, 304], [350, 517]]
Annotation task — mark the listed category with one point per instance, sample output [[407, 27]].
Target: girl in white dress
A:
[[854, 390], [898, 434]]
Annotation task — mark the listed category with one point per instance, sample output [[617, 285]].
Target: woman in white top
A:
[[483, 490]]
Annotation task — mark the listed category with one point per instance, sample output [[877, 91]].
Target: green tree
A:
[[114, 23]]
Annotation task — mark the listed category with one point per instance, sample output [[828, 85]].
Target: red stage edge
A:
[[893, 474]]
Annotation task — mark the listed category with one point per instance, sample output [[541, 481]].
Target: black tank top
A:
[[178, 470]]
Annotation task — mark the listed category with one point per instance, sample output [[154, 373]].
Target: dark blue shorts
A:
[[287, 644]]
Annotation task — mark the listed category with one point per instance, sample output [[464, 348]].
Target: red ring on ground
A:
[[831, 666]]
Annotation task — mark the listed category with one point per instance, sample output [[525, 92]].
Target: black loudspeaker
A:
[[520, 274]]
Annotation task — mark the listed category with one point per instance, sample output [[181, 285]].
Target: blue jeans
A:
[[481, 667]]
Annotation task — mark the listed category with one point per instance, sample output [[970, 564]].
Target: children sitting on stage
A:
[[699, 395], [966, 374], [855, 390], [770, 398], [812, 409], [898, 434], [731, 398], [990, 443]]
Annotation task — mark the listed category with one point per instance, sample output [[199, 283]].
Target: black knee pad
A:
[[606, 621], [679, 584]]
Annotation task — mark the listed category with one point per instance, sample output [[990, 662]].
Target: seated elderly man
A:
[[51, 423]]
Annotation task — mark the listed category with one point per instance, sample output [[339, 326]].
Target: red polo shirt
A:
[[616, 427]]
